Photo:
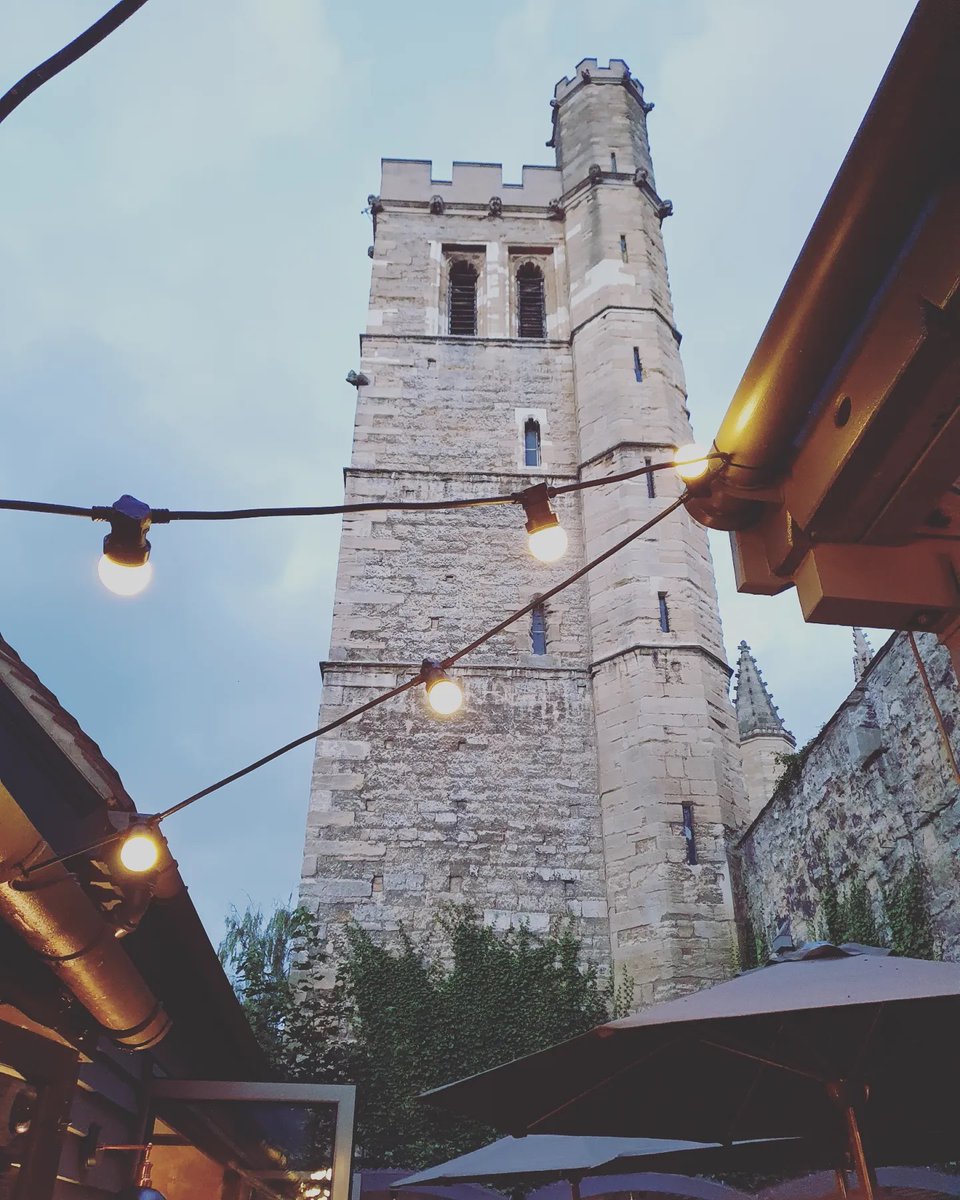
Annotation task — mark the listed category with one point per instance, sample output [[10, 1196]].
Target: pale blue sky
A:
[[184, 272]]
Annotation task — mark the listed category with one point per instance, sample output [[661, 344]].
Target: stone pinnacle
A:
[[757, 715], [862, 653]]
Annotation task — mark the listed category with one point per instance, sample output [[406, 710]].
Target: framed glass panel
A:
[[252, 1141]]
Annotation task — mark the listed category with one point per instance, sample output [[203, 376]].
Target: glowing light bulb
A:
[[123, 580], [445, 696], [546, 538], [692, 462], [549, 543], [140, 851]]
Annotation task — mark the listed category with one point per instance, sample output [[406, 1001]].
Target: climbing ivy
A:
[[908, 915], [857, 917], [406, 1019], [902, 923], [791, 768], [829, 925]]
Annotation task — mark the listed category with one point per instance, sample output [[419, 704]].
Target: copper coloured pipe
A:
[[51, 913]]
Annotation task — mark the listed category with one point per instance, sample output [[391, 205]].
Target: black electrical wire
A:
[[38, 506], [300, 741], [544, 596], [162, 516], [69, 54], [383, 697]]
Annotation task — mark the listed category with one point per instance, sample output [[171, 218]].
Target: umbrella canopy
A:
[[543, 1154], [552, 1156], [803, 1047]]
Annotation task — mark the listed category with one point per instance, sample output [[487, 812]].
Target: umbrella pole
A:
[[574, 1187], [855, 1142]]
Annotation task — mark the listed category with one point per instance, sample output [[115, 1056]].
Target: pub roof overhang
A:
[[842, 442], [55, 779]]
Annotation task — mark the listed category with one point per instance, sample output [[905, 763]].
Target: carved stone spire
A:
[[862, 653], [757, 715]]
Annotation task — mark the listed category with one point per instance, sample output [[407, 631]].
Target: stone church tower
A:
[[519, 333]]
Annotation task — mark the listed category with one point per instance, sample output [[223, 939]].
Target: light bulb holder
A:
[[130, 519], [444, 695], [536, 505], [432, 672]]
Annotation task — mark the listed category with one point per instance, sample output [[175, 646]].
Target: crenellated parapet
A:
[[410, 180], [588, 71]]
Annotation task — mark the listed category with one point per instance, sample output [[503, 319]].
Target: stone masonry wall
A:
[[876, 790], [497, 806], [666, 738]]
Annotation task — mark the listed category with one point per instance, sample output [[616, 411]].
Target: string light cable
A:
[[125, 567], [431, 674], [58, 62], [163, 516]]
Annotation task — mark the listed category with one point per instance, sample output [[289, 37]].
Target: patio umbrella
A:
[[826, 1043], [552, 1156]]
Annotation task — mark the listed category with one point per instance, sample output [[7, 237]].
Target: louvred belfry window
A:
[[462, 299], [531, 317]]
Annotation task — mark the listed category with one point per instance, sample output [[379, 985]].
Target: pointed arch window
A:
[[532, 455], [538, 629], [462, 299], [531, 312]]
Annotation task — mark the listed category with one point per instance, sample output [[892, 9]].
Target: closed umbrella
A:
[[830, 1044]]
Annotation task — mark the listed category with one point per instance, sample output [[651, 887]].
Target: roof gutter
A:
[[903, 154], [51, 912]]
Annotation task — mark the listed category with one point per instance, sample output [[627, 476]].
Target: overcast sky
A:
[[184, 274]]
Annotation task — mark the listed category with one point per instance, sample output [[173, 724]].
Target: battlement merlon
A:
[[411, 179]]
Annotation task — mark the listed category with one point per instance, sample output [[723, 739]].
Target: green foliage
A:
[[420, 1023], [857, 917], [829, 923], [257, 953], [791, 769], [907, 915], [903, 923], [297, 1026], [399, 1023]]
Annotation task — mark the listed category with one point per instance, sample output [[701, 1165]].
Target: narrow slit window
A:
[[688, 835], [651, 478], [538, 629], [623, 248], [637, 364], [664, 612], [462, 302], [531, 443], [531, 312], [613, 162]]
